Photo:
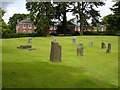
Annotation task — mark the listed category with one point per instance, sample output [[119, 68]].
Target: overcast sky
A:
[[19, 7]]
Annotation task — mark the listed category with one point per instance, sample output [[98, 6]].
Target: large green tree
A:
[[116, 15], [42, 14], [13, 20], [85, 11], [3, 26], [116, 8], [2, 12], [60, 12], [112, 21]]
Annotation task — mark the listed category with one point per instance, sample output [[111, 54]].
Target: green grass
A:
[[32, 69]]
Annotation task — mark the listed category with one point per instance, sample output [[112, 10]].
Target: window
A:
[[24, 31], [51, 28], [29, 26], [24, 25], [29, 31]]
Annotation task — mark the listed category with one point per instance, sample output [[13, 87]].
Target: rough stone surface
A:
[[103, 46], [74, 40], [24, 46], [55, 55], [80, 50], [90, 43], [29, 40], [109, 48]]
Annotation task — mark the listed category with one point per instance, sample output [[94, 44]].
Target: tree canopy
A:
[[3, 26], [112, 21], [13, 20], [42, 14], [85, 11]]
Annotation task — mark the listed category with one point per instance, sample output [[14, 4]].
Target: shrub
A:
[[54, 34], [90, 33], [76, 33], [17, 35], [112, 32]]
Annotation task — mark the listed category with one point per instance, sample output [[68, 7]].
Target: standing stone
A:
[[54, 40], [103, 45], [109, 48], [74, 40], [90, 43], [55, 55], [29, 40], [80, 50]]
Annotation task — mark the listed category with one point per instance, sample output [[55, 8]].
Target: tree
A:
[[3, 26], [13, 20], [116, 15], [85, 11], [2, 12], [61, 9], [42, 14], [112, 21], [116, 8]]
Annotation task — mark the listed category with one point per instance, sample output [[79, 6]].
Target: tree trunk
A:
[[64, 24], [81, 17], [81, 26]]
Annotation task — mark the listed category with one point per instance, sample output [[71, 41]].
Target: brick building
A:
[[25, 26]]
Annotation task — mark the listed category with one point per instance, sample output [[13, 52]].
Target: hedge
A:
[[17, 35]]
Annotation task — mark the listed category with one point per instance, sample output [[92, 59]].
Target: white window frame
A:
[[24, 25], [24, 31], [29, 26], [29, 31]]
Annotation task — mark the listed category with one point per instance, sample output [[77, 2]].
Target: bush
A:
[[54, 34], [76, 33], [17, 35], [90, 33], [112, 32]]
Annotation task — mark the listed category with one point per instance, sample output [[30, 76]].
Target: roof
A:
[[26, 21]]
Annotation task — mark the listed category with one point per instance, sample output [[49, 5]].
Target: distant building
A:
[[100, 28], [25, 26]]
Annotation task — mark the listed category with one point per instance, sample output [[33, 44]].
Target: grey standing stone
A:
[[54, 40], [103, 45], [55, 55], [74, 40], [80, 50], [29, 40], [109, 48], [90, 43]]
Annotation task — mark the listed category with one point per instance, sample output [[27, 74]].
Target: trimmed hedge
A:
[[17, 35], [111, 33], [76, 33]]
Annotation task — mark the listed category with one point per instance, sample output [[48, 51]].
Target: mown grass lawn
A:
[[32, 69]]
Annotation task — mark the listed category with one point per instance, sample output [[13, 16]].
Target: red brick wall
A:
[[20, 29]]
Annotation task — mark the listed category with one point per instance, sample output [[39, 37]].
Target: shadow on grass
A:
[[48, 75]]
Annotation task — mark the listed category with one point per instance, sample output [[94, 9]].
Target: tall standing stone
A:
[[30, 40], [74, 40], [103, 46], [109, 48], [55, 55], [90, 43], [80, 50]]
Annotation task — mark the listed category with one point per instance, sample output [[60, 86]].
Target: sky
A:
[[19, 7]]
